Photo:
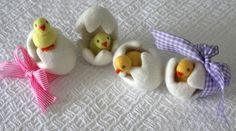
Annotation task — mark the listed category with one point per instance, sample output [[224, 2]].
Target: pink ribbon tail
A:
[[44, 97], [27, 68]]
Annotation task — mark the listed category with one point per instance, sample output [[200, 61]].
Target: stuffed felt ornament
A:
[[184, 81], [205, 78], [50, 48], [98, 29], [138, 66], [25, 67]]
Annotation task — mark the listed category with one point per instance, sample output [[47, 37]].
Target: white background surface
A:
[[94, 97]]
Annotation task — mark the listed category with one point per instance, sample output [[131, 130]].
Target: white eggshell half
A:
[[60, 60], [94, 20], [150, 75], [185, 90]]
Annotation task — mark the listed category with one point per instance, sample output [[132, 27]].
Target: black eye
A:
[[108, 38], [35, 25], [188, 69], [123, 67], [46, 21], [97, 41]]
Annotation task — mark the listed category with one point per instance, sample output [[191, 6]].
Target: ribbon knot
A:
[[204, 52], [207, 60], [29, 74], [27, 68]]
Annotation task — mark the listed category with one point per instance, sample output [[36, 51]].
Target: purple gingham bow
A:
[[218, 74]]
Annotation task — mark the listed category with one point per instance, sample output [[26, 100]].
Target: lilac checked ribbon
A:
[[218, 74]]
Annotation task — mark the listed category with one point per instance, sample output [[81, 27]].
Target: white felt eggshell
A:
[[94, 20], [185, 90], [150, 75], [60, 60]]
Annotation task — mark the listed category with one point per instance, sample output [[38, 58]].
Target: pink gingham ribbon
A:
[[27, 68]]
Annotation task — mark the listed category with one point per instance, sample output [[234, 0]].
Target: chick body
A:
[[135, 57], [101, 41], [43, 35], [124, 63], [43, 41]]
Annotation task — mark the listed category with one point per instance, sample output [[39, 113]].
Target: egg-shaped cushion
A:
[[94, 20], [185, 90], [151, 72], [60, 60]]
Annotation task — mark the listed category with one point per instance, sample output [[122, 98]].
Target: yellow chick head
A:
[[122, 64], [102, 40], [184, 69], [41, 26]]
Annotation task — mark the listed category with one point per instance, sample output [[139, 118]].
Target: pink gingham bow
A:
[[27, 68]]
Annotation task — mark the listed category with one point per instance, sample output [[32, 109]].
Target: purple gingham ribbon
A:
[[217, 74]]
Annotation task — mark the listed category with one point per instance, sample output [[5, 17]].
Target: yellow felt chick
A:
[[101, 41], [44, 36], [184, 70], [124, 63]]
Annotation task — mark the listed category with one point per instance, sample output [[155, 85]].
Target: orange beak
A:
[[118, 71], [42, 27], [105, 44], [179, 74]]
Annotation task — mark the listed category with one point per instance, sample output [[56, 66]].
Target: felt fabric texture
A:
[[184, 90], [60, 60], [150, 75], [94, 20]]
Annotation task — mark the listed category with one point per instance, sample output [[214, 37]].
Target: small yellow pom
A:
[[43, 35], [124, 63], [184, 70], [101, 41], [135, 57]]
